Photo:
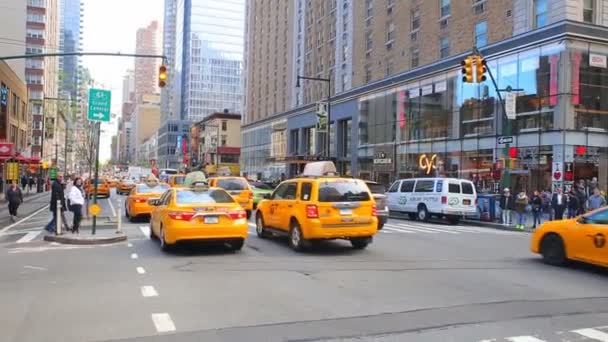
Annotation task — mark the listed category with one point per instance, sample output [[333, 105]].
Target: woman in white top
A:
[[76, 198]]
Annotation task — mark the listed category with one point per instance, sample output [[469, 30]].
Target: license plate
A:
[[212, 219], [466, 202], [344, 212]]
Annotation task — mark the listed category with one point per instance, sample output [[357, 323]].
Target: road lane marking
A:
[[390, 230], [524, 339], [148, 291], [23, 219], [111, 207], [251, 233], [163, 322], [29, 237], [141, 270], [34, 268], [145, 230], [417, 230], [593, 334], [129, 244], [439, 230], [134, 256], [251, 224]]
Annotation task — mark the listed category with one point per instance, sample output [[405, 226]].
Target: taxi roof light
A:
[[319, 169]]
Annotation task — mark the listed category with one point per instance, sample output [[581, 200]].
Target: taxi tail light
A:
[[374, 210], [181, 216], [239, 214], [444, 199], [139, 200], [250, 194], [312, 211]]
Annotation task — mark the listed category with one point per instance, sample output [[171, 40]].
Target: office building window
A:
[[444, 8], [589, 11], [481, 33], [541, 13], [368, 41], [415, 57], [224, 125], [390, 66], [368, 73], [370, 8], [415, 19], [390, 31], [224, 138], [444, 47]]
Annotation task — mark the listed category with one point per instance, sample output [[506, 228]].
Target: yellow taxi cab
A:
[[137, 204], [319, 205], [177, 181], [237, 187], [198, 213], [125, 186], [103, 189], [582, 239], [112, 183]]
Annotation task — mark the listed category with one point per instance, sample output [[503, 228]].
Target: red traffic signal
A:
[[513, 152], [581, 150]]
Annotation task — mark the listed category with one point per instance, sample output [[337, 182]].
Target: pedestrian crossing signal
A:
[[162, 76]]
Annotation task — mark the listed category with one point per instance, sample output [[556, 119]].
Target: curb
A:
[[477, 224], [85, 240]]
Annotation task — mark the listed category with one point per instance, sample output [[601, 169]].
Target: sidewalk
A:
[[498, 225], [31, 204], [104, 234]]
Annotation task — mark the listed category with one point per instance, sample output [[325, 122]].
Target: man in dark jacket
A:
[[506, 206], [56, 195], [558, 203]]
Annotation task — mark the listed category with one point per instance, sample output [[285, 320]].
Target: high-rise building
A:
[[41, 74], [145, 122], [207, 70], [397, 94], [168, 105], [146, 68], [12, 40], [70, 41]]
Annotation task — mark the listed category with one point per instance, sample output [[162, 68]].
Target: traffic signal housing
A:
[[467, 69], [162, 76], [481, 69]]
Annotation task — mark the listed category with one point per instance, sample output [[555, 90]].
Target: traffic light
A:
[[513, 152], [467, 69], [162, 76], [581, 150], [481, 69]]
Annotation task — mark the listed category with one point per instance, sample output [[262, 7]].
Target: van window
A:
[[454, 188], [407, 186], [394, 187], [425, 186], [439, 186], [306, 191], [467, 188]]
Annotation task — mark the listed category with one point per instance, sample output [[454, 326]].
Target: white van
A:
[[422, 198]]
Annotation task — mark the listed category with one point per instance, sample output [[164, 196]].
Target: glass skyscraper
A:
[[70, 41]]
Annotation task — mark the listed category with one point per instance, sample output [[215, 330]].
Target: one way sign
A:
[[99, 105], [505, 140]]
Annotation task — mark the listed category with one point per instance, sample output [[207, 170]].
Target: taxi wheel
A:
[[552, 250], [259, 226], [152, 235], [360, 243], [126, 211], [296, 240], [423, 213], [163, 244]]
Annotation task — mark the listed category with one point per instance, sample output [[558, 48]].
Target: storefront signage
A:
[[576, 77], [558, 173], [427, 163], [440, 87], [553, 61], [3, 96], [510, 108], [426, 90], [6, 149], [12, 171], [382, 159], [598, 61]]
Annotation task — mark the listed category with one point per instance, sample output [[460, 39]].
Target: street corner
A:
[[86, 239]]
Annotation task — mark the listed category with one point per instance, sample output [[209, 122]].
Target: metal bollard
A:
[[58, 220], [119, 225]]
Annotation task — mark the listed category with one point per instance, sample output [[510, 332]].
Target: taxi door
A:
[[592, 245], [271, 213], [286, 205], [158, 212]]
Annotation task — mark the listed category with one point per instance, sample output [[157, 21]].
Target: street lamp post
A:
[[327, 142]]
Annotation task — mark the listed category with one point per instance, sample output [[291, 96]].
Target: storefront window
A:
[[309, 135], [590, 101], [345, 136], [377, 115], [476, 106]]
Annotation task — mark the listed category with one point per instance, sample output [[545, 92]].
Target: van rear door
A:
[[467, 198]]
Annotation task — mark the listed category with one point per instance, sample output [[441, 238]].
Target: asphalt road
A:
[[416, 282]]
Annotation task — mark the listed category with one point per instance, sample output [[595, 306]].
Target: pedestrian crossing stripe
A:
[[592, 334], [403, 227]]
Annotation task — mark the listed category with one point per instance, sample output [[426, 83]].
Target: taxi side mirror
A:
[[582, 220], [267, 196], [153, 201]]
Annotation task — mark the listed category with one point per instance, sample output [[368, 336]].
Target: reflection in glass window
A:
[[377, 115], [592, 109], [589, 11], [481, 33], [540, 13]]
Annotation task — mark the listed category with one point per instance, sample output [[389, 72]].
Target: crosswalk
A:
[[587, 334], [411, 227]]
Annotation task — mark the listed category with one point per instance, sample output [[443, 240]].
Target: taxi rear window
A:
[[144, 189], [212, 196], [343, 191], [232, 184], [179, 180]]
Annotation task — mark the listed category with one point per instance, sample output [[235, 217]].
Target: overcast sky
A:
[[110, 26]]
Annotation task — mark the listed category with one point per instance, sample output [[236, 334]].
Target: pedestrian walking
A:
[[57, 195], [14, 196], [76, 202], [573, 203], [521, 206], [558, 203], [31, 184], [596, 200], [23, 182], [537, 208], [506, 206]]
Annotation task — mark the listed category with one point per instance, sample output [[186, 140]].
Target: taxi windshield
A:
[[343, 191], [179, 180], [145, 189], [211, 196], [232, 184]]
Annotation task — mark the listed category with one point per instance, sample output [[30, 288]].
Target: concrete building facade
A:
[[146, 69], [404, 107], [216, 140], [12, 26], [145, 122], [13, 108]]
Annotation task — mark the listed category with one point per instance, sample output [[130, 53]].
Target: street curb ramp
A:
[[81, 240]]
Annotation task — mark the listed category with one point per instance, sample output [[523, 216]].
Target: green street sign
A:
[[99, 105], [53, 173]]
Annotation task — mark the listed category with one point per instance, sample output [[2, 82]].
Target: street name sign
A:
[[505, 140], [99, 105]]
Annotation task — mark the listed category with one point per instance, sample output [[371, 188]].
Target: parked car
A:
[[379, 192]]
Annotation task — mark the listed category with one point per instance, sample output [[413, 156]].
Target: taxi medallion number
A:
[[94, 209]]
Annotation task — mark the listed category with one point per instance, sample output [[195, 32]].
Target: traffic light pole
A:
[[97, 134]]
